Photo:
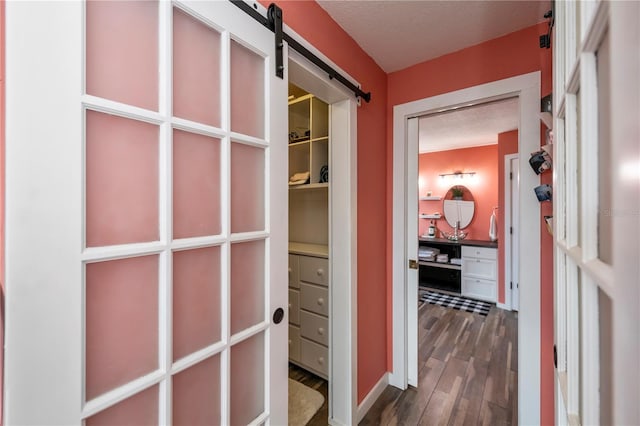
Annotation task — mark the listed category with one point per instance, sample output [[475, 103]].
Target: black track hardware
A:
[[273, 22]]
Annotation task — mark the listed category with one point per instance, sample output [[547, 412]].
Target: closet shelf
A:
[[308, 186], [434, 198], [429, 216]]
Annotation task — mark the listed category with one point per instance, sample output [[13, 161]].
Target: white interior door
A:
[[146, 215], [412, 251], [515, 226]]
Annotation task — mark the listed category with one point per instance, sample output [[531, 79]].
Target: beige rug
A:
[[304, 402]]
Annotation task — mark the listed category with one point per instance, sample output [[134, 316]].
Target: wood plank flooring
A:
[[467, 372], [321, 418]]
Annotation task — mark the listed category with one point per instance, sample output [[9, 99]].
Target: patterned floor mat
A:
[[455, 302]]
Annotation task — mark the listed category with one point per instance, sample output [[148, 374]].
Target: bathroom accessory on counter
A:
[[493, 226]]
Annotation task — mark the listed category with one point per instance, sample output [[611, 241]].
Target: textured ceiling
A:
[[398, 34], [467, 127]]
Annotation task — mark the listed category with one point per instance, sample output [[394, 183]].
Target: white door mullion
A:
[[165, 312], [225, 216]]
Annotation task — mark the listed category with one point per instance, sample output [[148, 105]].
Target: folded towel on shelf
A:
[[427, 254], [455, 261], [442, 258], [299, 178]]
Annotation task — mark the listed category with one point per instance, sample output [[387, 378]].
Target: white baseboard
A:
[[372, 397], [503, 306]]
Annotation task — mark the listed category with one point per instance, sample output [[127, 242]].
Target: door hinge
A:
[[510, 175], [555, 356], [511, 229], [413, 264], [511, 286]]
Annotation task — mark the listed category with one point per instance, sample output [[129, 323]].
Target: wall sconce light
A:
[[458, 175]]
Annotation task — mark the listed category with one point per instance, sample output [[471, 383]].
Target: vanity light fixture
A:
[[459, 175]]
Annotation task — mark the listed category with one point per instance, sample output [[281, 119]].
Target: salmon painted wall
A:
[[309, 20], [514, 54], [507, 144], [484, 161]]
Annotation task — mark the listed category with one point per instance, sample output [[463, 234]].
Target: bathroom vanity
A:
[[476, 276]]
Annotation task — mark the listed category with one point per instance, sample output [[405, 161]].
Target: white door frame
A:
[[527, 88], [507, 240], [343, 392]]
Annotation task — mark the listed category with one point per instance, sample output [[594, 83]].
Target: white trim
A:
[[372, 397], [506, 214], [527, 87], [411, 241]]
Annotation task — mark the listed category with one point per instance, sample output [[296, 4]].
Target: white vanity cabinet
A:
[[480, 273], [309, 312]]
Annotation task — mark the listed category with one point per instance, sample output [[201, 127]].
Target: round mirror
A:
[[458, 206]]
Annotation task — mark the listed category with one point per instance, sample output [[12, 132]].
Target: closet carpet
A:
[[468, 372]]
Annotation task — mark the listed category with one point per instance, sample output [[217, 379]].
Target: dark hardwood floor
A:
[[321, 418], [467, 372]]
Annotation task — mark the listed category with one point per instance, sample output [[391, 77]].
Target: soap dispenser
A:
[[432, 230]]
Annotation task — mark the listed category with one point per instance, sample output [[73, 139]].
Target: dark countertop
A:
[[474, 243]]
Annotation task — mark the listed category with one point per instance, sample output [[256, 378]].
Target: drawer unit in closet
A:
[[479, 273], [315, 357], [314, 270], [294, 343], [309, 312], [314, 298], [294, 271], [294, 306], [314, 327]]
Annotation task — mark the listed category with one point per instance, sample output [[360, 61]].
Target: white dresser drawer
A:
[[294, 306], [314, 270], [479, 268], [314, 327], [314, 356], [294, 271], [314, 298], [481, 252], [479, 289], [294, 343]]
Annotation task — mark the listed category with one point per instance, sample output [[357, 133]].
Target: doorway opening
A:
[[322, 239], [405, 333]]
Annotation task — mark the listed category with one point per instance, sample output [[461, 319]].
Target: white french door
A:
[[596, 205], [146, 215]]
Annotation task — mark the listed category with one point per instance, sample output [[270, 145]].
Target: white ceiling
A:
[[467, 127], [398, 34]]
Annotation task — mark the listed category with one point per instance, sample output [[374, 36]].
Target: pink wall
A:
[[508, 56], [484, 161], [507, 144], [316, 26]]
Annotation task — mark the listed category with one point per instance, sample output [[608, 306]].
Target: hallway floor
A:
[[468, 368]]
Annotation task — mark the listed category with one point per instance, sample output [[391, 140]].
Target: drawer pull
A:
[[320, 272], [477, 252], [320, 331], [320, 301], [478, 260], [477, 281], [321, 360], [290, 305]]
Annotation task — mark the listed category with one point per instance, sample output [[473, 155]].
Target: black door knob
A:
[[278, 315]]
